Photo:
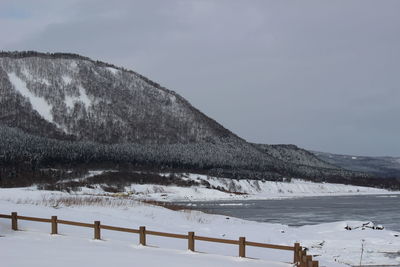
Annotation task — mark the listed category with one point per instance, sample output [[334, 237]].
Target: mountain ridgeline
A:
[[387, 167], [77, 98], [65, 110]]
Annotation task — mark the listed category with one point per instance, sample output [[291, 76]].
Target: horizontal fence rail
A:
[[300, 258], [74, 223], [119, 229]]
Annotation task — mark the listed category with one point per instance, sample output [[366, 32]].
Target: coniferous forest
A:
[[62, 112]]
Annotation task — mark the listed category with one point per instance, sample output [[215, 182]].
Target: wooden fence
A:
[[300, 258]]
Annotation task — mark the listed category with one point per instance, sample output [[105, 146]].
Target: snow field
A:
[[46, 250], [74, 245], [329, 243]]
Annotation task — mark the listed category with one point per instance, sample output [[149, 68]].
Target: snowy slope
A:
[[94, 101], [209, 188], [38, 103], [329, 243]]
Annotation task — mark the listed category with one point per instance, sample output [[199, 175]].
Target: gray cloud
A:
[[320, 74]]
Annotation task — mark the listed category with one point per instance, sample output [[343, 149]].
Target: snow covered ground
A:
[[330, 243], [241, 189]]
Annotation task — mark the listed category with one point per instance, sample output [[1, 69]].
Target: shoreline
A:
[[251, 197], [223, 189]]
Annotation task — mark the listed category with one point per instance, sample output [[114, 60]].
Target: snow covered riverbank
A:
[[209, 188], [330, 243]]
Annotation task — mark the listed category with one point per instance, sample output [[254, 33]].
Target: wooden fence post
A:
[[54, 226], [14, 221], [309, 260], [315, 264], [303, 259], [97, 230], [299, 255], [242, 247], [191, 241], [142, 232], [296, 252]]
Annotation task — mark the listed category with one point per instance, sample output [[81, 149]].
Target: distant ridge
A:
[[388, 167]]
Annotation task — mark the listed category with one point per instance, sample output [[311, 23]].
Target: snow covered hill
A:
[[294, 154], [66, 109], [330, 243], [95, 101]]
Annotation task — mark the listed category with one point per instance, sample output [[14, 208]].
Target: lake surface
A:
[[380, 209]]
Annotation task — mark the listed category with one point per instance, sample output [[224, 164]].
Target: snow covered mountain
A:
[[67, 109], [74, 96]]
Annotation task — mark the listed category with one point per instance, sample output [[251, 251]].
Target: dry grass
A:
[[98, 201], [70, 201]]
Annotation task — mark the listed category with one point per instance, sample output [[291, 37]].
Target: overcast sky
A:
[[324, 75]]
